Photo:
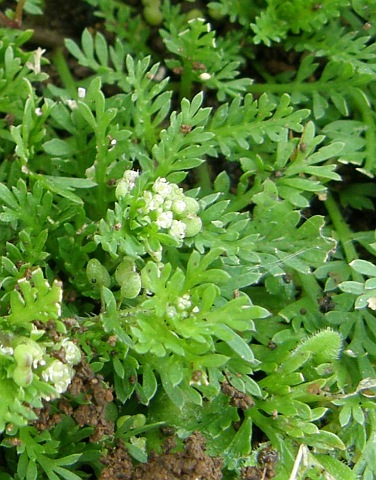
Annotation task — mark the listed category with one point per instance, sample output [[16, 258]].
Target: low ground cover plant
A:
[[187, 241]]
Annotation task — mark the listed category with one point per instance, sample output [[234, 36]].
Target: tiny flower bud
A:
[[72, 104], [205, 76], [127, 183], [163, 187], [372, 303], [81, 92], [72, 352], [184, 302]]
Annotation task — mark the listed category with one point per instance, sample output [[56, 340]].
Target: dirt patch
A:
[[267, 458], [192, 463]]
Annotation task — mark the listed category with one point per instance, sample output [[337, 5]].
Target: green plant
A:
[[178, 245]]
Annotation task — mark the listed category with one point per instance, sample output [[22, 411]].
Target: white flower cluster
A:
[[72, 352], [165, 205], [182, 307], [59, 374]]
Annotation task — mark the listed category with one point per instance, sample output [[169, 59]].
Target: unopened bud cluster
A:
[[164, 205], [182, 307]]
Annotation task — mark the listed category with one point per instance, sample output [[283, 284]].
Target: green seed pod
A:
[[194, 225], [192, 205], [153, 15], [195, 13], [215, 14], [22, 376], [97, 274], [23, 355], [179, 206], [124, 268], [151, 3], [131, 286]]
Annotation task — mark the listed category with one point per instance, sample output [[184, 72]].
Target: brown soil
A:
[[95, 395], [190, 464]]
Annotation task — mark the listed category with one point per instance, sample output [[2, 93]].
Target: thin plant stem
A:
[[19, 12], [259, 88], [64, 72], [343, 231], [186, 81], [367, 112], [204, 178]]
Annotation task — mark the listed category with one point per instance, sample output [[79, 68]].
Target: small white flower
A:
[[72, 104], [177, 229], [113, 143], [177, 192], [159, 76], [35, 67], [171, 312], [38, 112], [201, 379], [153, 202], [72, 352], [163, 187], [205, 76], [54, 371], [59, 375], [127, 183], [164, 220], [372, 303], [81, 92], [131, 175], [156, 202], [184, 302]]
